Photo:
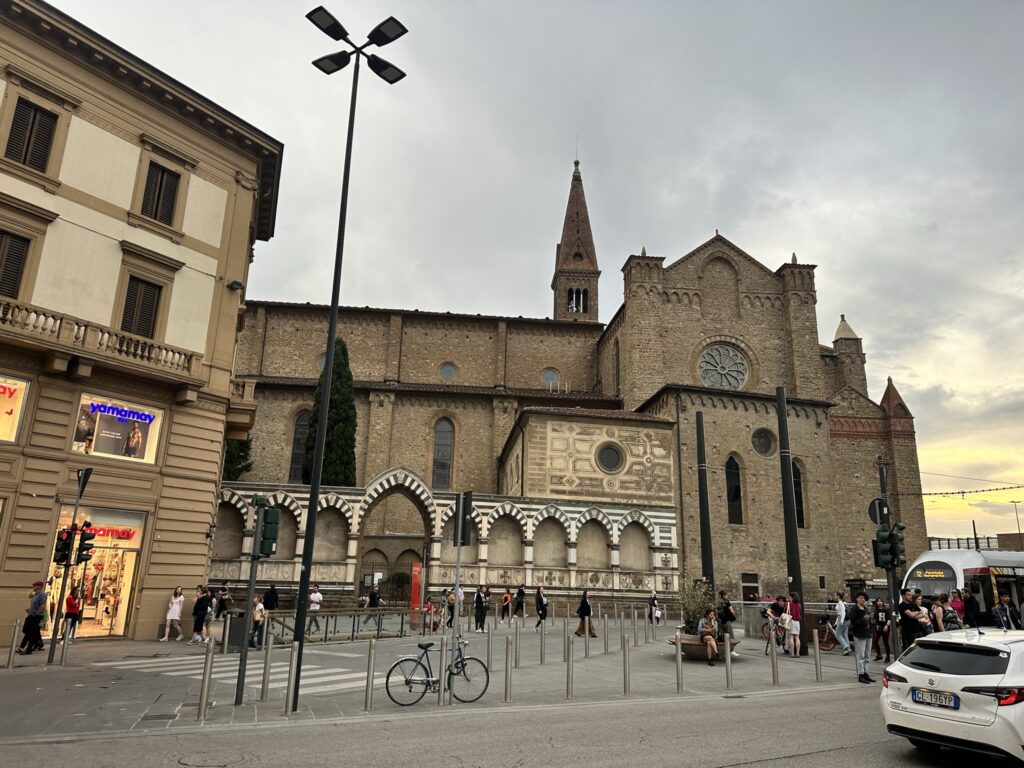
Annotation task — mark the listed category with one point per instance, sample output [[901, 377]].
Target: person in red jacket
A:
[[72, 615]]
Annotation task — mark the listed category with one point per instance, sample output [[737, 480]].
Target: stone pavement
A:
[[114, 686]]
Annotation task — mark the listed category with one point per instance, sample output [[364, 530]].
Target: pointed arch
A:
[[511, 510], [285, 501], [398, 478], [235, 499], [635, 516], [593, 513], [449, 511], [334, 501], [551, 511]]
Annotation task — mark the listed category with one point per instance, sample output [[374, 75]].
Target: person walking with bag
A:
[[794, 610], [842, 624], [259, 613], [653, 611], [32, 639], [200, 608], [173, 616], [506, 604], [585, 612], [542, 610]]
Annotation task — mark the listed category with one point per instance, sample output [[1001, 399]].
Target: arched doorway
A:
[[227, 540], [394, 532]]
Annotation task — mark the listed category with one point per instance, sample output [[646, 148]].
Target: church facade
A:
[[578, 438]]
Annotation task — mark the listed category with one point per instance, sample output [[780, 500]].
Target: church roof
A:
[[892, 402], [598, 413], [576, 249], [844, 331]]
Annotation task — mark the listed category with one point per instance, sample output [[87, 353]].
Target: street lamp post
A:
[[386, 32]]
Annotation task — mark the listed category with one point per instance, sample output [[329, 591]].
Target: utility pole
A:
[[707, 560], [83, 480], [250, 593], [796, 579], [885, 517]]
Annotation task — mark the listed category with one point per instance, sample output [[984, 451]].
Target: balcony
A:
[[38, 328]]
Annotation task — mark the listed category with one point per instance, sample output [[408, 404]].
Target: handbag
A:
[[657, 613], [786, 619]]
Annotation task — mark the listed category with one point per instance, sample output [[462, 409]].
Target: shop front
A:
[[105, 584]]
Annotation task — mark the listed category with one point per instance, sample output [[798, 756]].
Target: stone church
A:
[[578, 438]]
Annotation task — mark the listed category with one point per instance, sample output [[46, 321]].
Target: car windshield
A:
[[954, 659]]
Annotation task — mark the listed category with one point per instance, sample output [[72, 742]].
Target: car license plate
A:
[[935, 698]]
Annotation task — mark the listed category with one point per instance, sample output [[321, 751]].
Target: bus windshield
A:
[[932, 578]]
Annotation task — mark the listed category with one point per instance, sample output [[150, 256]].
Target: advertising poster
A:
[[117, 429], [13, 396]]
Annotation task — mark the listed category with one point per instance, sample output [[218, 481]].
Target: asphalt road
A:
[[836, 728]]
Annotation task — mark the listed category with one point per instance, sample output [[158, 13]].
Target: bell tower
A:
[[576, 273]]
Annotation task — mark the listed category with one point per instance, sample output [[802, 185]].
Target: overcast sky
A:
[[881, 141]]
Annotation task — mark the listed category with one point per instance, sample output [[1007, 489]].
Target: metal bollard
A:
[[586, 641], [66, 643], [679, 661], [490, 637], [654, 630], [469, 622], [508, 670], [371, 659], [617, 625], [565, 638], [518, 625], [817, 655], [225, 635], [543, 634], [636, 630], [728, 661], [440, 673], [604, 630], [568, 672], [647, 632], [204, 688], [14, 644], [625, 665], [293, 663], [774, 653], [268, 646]]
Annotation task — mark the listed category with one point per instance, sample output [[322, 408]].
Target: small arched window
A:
[[444, 439], [798, 492], [734, 491], [299, 432]]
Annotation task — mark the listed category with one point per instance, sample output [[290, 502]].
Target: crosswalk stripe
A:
[[343, 686], [249, 671], [187, 672], [323, 676], [171, 664]]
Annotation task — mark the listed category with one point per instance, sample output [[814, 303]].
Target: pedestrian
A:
[[585, 612], [259, 614], [795, 610], [480, 609], [542, 610], [520, 610], [72, 615], [173, 616], [209, 611], [314, 600], [707, 631], [956, 602], [202, 606], [860, 626], [726, 615], [972, 611], [774, 613], [271, 600], [32, 636], [842, 623], [1006, 614], [924, 615], [223, 600], [451, 607], [506, 604], [943, 615], [909, 615], [880, 630], [653, 611]]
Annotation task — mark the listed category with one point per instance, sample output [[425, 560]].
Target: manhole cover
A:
[[213, 759]]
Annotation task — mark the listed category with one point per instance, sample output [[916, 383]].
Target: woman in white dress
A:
[[173, 615]]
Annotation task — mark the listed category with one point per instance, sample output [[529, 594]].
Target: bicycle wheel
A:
[[826, 640], [765, 631], [468, 679], [407, 682]]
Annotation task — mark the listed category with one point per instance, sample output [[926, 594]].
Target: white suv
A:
[[962, 689]]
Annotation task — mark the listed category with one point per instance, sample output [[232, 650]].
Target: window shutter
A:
[[17, 140], [13, 254], [149, 298], [149, 196], [38, 155], [168, 196], [131, 304]]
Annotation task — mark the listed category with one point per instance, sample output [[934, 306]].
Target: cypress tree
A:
[[237, 459], [340, 447]]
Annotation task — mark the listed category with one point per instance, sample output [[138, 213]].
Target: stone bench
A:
[[693, 648]]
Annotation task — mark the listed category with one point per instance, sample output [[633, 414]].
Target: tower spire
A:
[[576, 271]]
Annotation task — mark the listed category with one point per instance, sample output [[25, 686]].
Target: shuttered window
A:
[[31, 136], [140, 306], [13, 254], [161, 194]]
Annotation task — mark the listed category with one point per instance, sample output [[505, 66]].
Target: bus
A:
[[986, 573]]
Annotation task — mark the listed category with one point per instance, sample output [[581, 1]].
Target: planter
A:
[[693, 648]]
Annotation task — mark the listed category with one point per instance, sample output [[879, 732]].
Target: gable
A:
[[849, 402], [720, 255]]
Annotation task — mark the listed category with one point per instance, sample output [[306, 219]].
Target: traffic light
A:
[[464, 518], [881, 547], [269, 529], [897, 548], [85, 545], [62, 550]]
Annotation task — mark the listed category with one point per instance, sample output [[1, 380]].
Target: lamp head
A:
[[326, 23], [385, 70], [387, 31], [333, 62]]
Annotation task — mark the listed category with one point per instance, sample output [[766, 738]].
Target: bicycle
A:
[[410, 677], [770, 627], [827, 637]]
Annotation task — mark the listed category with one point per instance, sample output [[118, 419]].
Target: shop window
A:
[[31, 136], [160, 194], [13, 394], [798, 492], [141, 301], [299, 432], [734, 491], [13, 255], [117, 429], [444, 440]]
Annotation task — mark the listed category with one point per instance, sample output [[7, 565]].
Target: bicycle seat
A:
[[424, 646]]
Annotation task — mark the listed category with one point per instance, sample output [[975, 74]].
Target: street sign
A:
[[878, 511]]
